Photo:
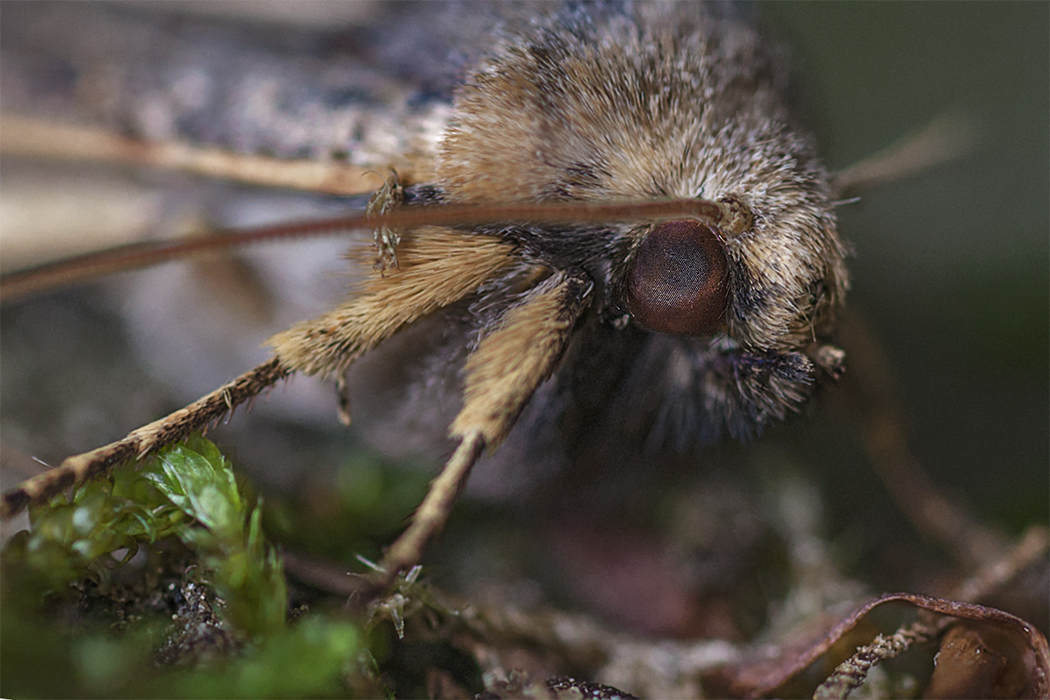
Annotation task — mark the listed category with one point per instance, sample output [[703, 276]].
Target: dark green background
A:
[[951, 265]]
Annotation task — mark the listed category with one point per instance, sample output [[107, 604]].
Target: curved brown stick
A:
[[933, 513], [944, 139], [41, 139]]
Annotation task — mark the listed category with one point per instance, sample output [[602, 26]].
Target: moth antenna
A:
[[133, 256], [945, 138], [501, 375], [144, 441]]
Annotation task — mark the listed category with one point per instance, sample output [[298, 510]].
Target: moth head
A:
[[693, 106], [734, 310]]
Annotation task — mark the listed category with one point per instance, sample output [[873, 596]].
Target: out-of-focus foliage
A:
[[229, 605]]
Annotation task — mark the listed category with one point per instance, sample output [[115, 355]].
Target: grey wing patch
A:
[[285, 92]]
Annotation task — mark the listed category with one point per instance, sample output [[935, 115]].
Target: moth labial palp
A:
[[390, 195], [563, 341]]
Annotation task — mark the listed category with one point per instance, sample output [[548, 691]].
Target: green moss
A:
[[308, 659], [79, 622], [228, 536], [188, 491]]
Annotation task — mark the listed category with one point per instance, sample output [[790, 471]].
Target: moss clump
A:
[[202, 608]]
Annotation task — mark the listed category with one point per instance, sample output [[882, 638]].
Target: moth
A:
[[601, 235]]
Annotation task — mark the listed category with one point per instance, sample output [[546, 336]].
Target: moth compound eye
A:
[[677, 281]]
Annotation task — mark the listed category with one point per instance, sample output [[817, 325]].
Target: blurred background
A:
[[951, 265], [951, 271]]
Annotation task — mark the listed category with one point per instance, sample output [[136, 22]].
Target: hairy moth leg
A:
[[144, 441], [436, 267], [439, 268], [501, 376]]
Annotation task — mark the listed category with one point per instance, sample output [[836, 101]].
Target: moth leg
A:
[[140, 443], [438, 267], [430, 517], [343, 394], [501, 376]]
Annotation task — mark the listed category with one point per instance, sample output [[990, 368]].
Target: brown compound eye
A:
[[677, 280]]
